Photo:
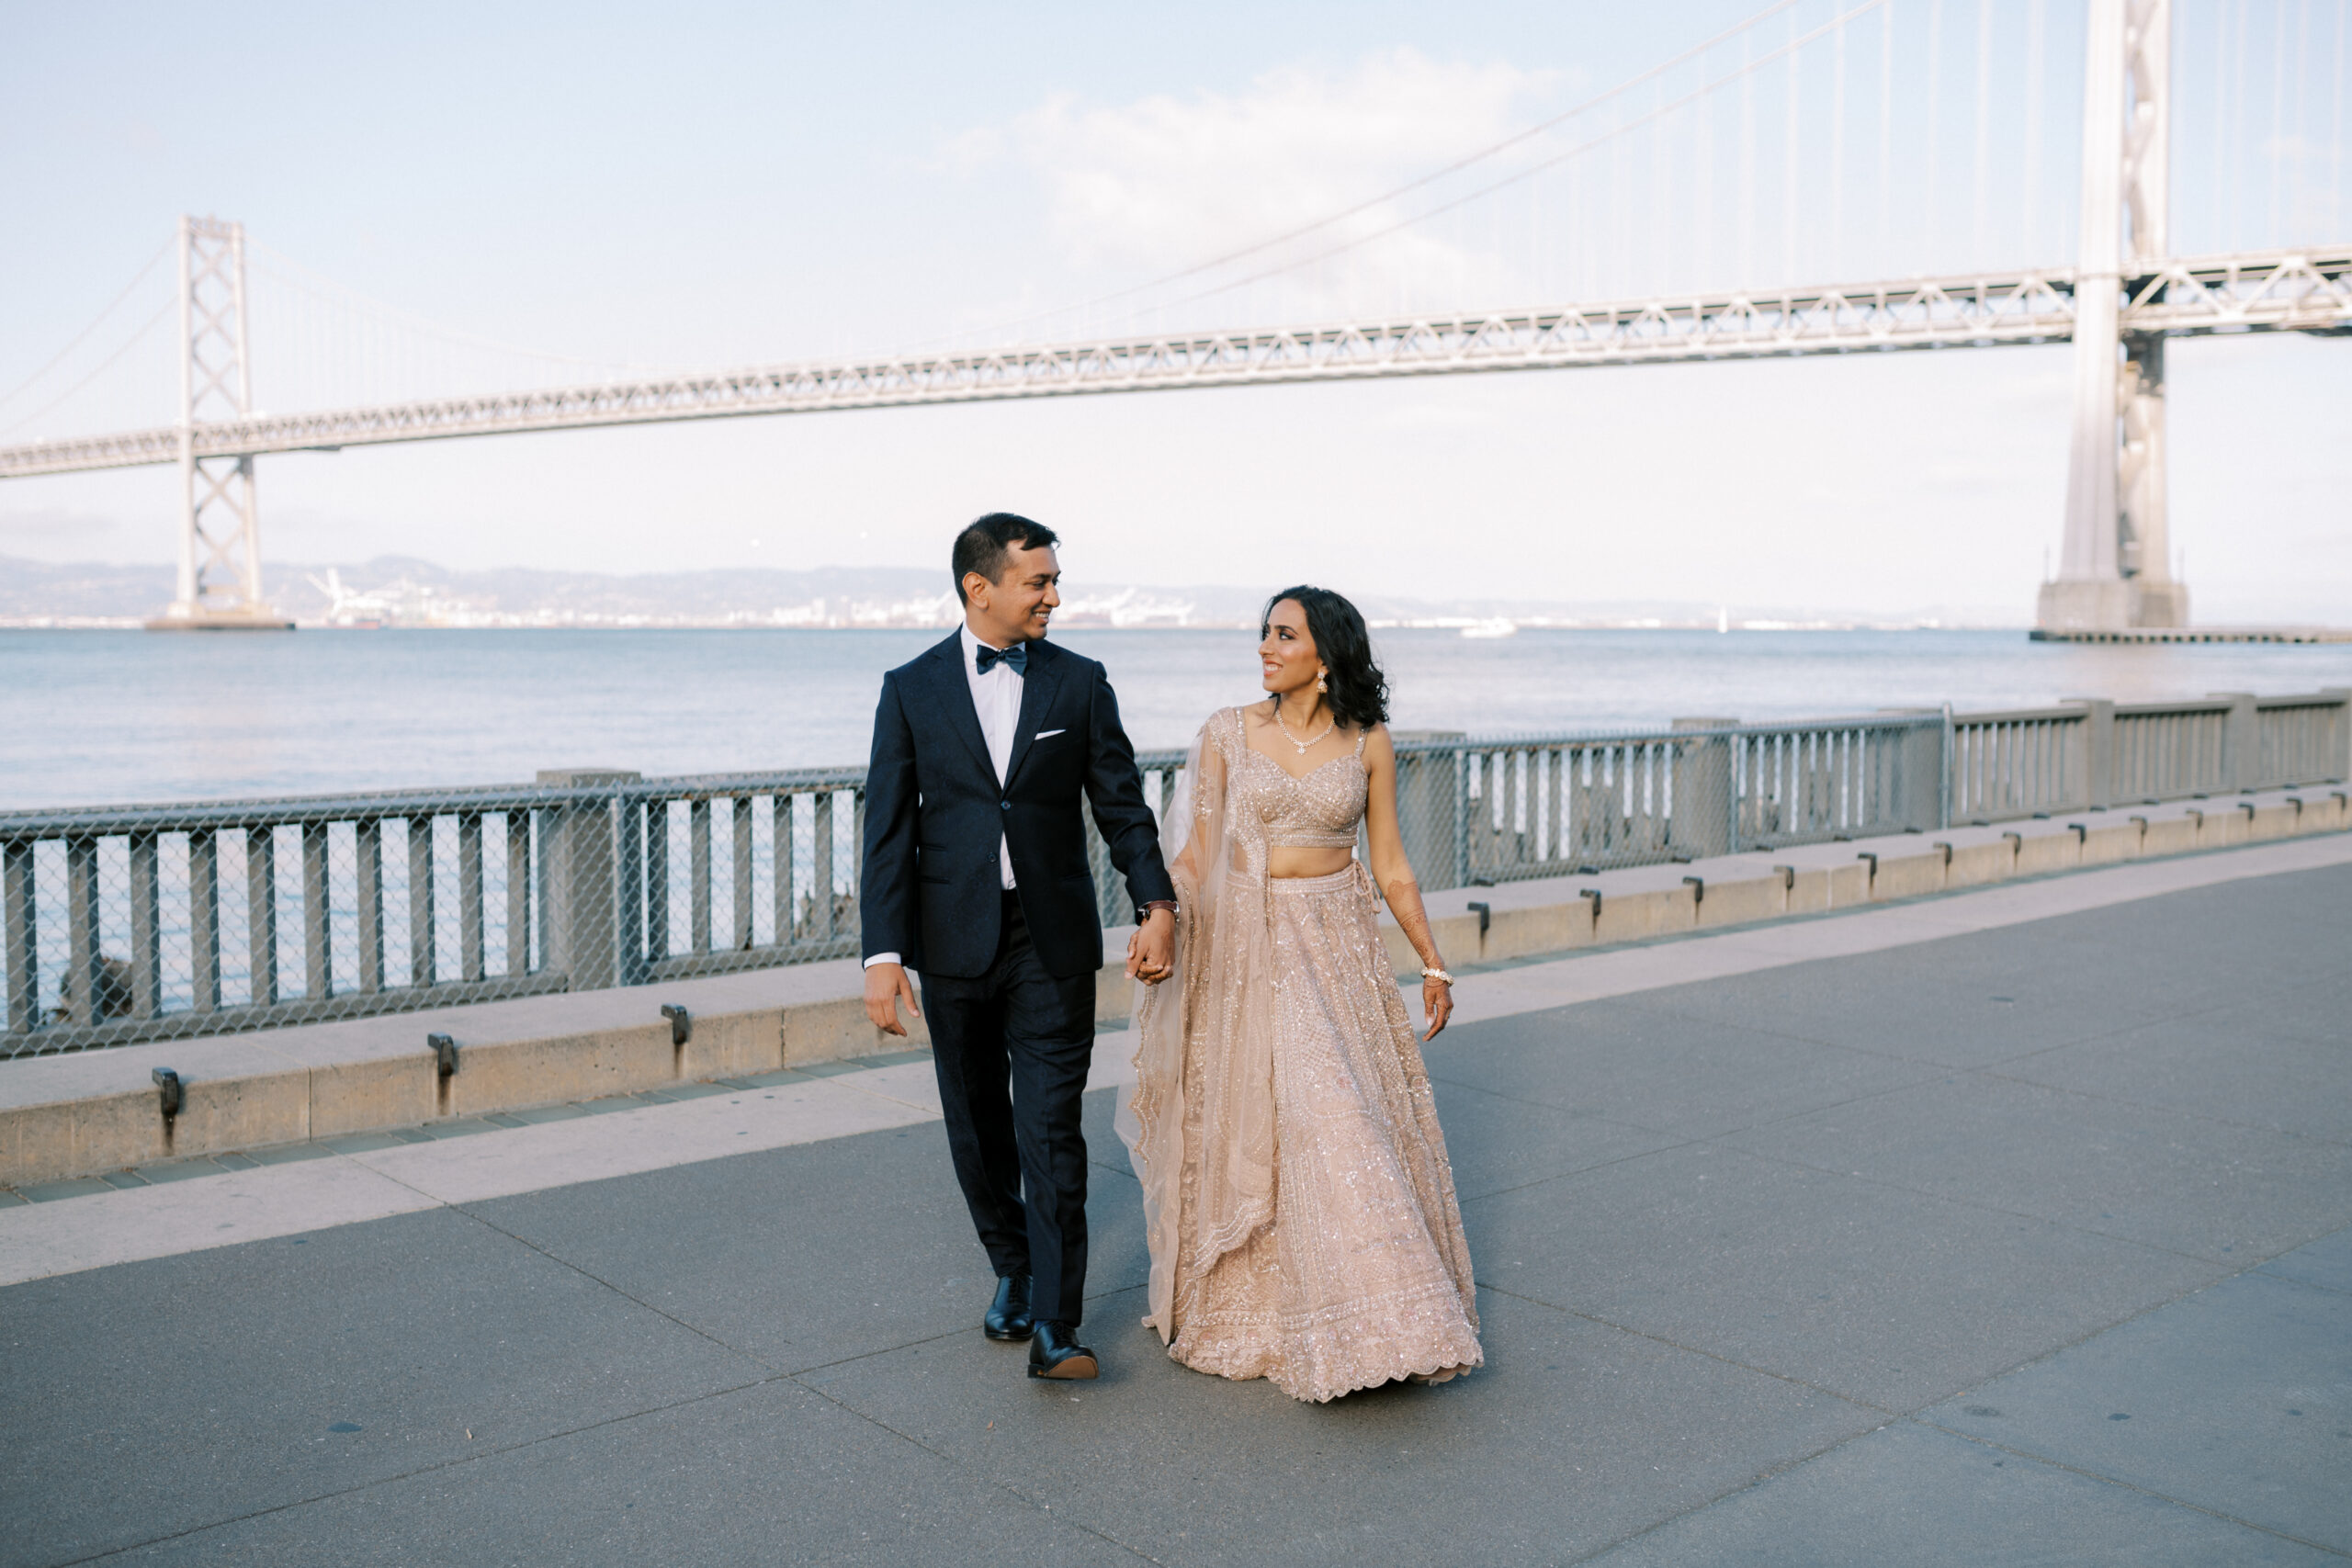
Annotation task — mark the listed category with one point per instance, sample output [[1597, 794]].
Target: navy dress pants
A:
[[1012, 1048]]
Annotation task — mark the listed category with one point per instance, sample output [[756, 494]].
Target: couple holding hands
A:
[[1296, 1196]]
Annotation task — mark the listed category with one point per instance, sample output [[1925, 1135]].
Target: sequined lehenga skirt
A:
[[1363, 1276]]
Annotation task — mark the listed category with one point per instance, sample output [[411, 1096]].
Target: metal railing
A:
[[2093, 752], [125, 924]]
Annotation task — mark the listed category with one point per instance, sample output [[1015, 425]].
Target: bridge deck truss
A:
[[2276, 291]]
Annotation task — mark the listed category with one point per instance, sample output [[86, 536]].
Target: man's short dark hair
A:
[[984, 546]]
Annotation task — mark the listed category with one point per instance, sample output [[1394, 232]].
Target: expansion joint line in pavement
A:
[[1913, 1417], [434, 1467], [2100, 1476], [779, 1375], [1989, 1069], [1671, 1342], [1715, 1143], [774, 1375]]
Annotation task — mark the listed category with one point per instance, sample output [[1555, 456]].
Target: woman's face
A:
[[1287, 653]]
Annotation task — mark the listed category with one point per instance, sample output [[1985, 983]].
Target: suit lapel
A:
[[1036, 692], [952, 695]]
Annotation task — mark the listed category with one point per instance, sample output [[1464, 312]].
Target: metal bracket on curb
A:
[[2082, 834], [1593, 893], [175, 1093], [2196, 815], [1947, 849], [2247, 807], [682, 1022], [1788, 877], [1698, 886], [2017, 844], [445, 1054], [2143, 826], [1485, 916], [1872, 858]]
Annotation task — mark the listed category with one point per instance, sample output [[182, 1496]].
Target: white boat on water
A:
[[1494, 626]]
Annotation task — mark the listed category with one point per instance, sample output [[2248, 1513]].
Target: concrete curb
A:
[[77, 1115]]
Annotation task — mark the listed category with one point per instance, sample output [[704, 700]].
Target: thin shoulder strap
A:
[[1361, 736]]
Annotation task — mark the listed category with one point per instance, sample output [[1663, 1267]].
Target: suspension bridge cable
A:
[[328, 292], [96, 322], [1788, 50], [108, 363], [1465, 161]]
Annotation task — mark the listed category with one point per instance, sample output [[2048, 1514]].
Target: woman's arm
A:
[[1394, 874]]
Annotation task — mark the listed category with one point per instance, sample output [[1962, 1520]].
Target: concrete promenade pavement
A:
[[2015, 1227]]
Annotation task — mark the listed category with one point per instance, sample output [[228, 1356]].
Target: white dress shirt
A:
[[996, 698]]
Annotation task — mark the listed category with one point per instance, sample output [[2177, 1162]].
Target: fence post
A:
[[1947, 765], [146, 928], [2095, 750], [16, 912], [582, 918], [1922, 781], [2241, 741], [1698, 821], [2339, 747]]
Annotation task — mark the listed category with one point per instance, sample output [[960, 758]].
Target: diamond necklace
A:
[[1302, 745]]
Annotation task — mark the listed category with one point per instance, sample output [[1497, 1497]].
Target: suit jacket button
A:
[[1004, 805]]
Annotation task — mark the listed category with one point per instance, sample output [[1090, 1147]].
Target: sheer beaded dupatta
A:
[[1204, 1038]]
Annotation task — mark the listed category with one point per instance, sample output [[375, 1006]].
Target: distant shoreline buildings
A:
[[407, 594]]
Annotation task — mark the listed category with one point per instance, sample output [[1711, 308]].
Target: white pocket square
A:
[[1048, 734]]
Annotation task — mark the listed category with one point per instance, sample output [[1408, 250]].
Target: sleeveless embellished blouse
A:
[[1319, 809]]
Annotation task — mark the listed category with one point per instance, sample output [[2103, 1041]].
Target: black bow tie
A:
[[1017, 656]]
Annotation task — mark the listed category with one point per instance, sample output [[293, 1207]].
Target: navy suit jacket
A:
[[932, 888]]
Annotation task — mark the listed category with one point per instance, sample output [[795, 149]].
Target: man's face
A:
[[1016, 606]]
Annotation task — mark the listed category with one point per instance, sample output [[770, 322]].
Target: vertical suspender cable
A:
[[1703, 269], [1747, 163], [1789, 169], [2303, 118], [1981, 203], [1617, 225], [2217, 145], [2277, 125], [2237, 130], [1884, 263], [2336, 134], [1929, 226], [1837, 258], [2036, 28]]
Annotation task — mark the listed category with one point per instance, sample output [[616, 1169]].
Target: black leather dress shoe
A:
[[1055, 1352], [1007, 1315]]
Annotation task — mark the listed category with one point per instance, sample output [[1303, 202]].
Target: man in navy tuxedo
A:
[[986, 748]]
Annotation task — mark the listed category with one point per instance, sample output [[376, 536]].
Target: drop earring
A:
[[1319, 684]]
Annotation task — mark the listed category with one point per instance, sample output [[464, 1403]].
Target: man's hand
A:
[[884, 984], [1151, 951]]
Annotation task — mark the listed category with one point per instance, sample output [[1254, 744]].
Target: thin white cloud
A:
[[1144, 188]]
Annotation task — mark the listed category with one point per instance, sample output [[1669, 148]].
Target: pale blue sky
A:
[[704, 185]]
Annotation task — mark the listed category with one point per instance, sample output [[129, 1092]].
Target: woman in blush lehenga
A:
[[1296, 1194]]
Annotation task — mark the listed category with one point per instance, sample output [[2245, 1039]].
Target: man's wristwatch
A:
[[1167, 904]]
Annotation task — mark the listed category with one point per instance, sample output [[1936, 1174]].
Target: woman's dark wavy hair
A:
[[1359, 693]]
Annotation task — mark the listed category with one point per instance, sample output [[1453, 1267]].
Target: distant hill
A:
[[407, 591]]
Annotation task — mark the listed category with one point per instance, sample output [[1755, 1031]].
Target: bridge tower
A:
[[2115, 569], [219, 580]]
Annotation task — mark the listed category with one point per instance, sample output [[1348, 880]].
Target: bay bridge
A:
[[1681, 165]]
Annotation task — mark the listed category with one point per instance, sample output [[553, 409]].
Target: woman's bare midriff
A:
[[1295, 860]]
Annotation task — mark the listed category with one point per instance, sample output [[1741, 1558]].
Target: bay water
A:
[[112, 717]]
